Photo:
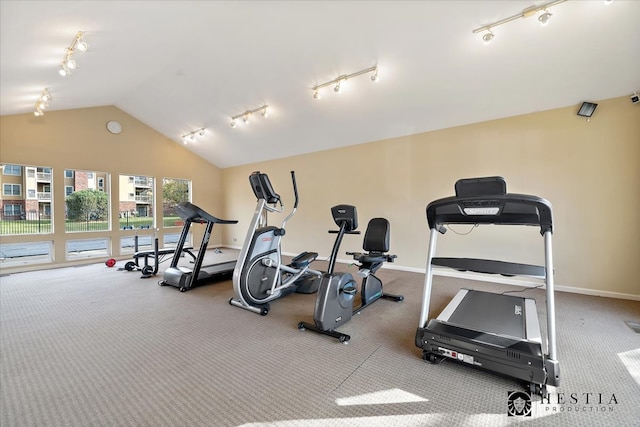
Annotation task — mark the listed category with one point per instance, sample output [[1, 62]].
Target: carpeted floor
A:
[[95, 346]]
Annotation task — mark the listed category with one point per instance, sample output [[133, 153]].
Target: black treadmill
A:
[[185, 278], [496, 332]]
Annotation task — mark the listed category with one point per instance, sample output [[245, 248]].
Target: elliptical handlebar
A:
[[295, 203], [295, 189]]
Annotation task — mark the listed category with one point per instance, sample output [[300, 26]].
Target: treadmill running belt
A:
[[493, 313]]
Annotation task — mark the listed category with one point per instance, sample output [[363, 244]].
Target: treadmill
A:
[[495, 332], [185, 278]]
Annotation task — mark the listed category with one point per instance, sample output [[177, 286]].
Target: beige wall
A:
[[590, 171], [78, 139]]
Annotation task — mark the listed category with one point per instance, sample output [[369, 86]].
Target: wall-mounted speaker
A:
[[587, 109]]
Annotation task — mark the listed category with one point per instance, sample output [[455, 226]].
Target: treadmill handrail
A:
[[190, 212], [512, 209]]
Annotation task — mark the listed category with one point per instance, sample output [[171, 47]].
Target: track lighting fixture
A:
[[543, 18], [42, 103], [264, 112], [338, 81], [68, 62], [191, 136]]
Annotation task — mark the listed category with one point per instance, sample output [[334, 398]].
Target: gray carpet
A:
[[95, 346]]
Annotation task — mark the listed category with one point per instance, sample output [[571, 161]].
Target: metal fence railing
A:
[[35, 222], [30, 222]]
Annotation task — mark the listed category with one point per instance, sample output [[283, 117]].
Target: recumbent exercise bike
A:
[[334, 304]]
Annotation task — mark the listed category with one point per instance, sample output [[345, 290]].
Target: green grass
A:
[[25, 227]]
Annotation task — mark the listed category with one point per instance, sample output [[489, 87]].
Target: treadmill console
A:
[[485, 186], [481, 207]]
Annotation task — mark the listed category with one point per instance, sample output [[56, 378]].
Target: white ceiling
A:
[[181, 65]]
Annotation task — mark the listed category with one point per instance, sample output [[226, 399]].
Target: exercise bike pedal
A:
[[396, 298]]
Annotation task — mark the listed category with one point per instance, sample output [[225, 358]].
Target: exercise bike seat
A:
[[303, 260], [376, 243]]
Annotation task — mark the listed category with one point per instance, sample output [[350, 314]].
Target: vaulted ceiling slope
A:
[[178, 66]]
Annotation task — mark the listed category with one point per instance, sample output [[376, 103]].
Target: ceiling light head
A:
[[201, 132], [336, 88], [38, 112], [81, 43], [316, 94], [487, 37], [71, 63], [233, 124], [374, 75], [245, 118], [64, 70], [265, 111], [46, 96], [544, 17]]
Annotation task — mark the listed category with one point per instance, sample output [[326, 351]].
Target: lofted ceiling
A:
[[178, 66]]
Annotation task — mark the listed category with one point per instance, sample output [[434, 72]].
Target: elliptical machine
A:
[[334, 304], [260, 275]]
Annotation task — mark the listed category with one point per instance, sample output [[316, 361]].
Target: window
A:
[[12, 210], [174, 191], [25, 253], [86, 207], [11, 189], [170, 240], [68, 173], [128, 244], [136, 202], [26, 201], [87, 248], [15, 170]]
